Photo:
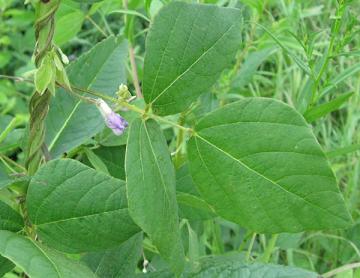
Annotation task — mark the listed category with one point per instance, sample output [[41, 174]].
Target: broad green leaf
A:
[[151, 192], [71, 122], [39, 261], [187, 48], [258, 164], [76, 209], [118, 262], [321, 110], [9, 219]]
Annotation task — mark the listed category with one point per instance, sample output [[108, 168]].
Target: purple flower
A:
[[112, 119]]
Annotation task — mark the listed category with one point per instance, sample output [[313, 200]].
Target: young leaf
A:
[[39, 261], [151, 193], [118, 262], [187, 48], [76, 209], [44, 75], [258, 164], [70, 122], [10, 219]]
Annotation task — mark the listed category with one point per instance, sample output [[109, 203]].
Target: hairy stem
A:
[[39, 103]]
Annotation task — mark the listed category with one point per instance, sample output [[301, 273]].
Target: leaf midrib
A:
[[266, 178], [192, 65], [78, 217]]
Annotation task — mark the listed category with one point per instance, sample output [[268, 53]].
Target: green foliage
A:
[[150, 185], [118, 262], [256, 150], [49, 263], [184, 139], [183, 41], [76, 209], [99, 68]]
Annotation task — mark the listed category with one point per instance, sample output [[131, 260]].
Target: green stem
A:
[[179, 141], [96, 26], [248, 252], [269, 248], [130, 107], [39, 103], [329, 53]]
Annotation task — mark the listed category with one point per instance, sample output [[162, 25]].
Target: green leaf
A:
[[5, 266], [233, 265], [118, 262], [323, 109], [187, 48], [96, 161], [303, 65], [44, 75], [251, 64], [39, 261], [151, 190], [10, 219], [114, 159], [230, 266], [191, 205], [258, 164], [76, 209], [71, 122], [68, 25], [87, 1], [341, 77]]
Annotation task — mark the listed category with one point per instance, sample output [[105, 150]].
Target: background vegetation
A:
[[283, 42]]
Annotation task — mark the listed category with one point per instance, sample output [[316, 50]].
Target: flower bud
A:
[[112, 120]]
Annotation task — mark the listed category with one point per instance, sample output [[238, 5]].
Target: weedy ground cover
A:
[[179, 138]]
